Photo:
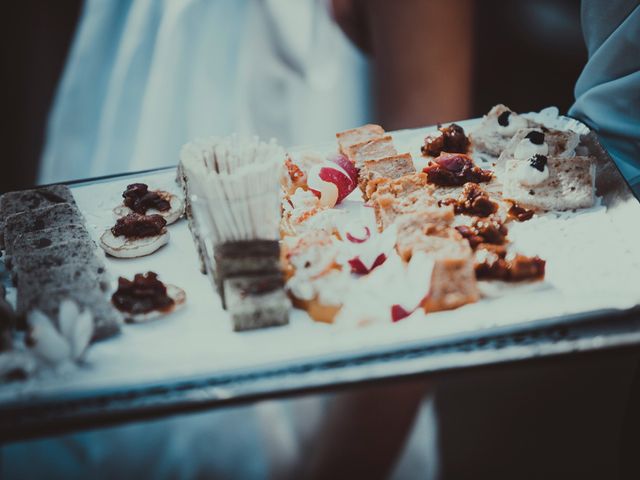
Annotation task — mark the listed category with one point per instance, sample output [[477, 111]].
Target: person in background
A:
[[608, 90]]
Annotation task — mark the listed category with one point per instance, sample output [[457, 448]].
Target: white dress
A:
[[143, 77]]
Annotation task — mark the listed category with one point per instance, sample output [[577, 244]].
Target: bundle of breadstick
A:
[[233, 196]]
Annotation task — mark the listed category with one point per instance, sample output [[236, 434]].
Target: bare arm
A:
[[364, 431], [421, 54]]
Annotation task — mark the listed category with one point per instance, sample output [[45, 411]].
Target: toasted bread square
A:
[[424, 230], [453, 284], [374, 149], [388, 167], [570, 185], [391, 197], [354, 136], [453, 281], [403, 186], [387, 207]]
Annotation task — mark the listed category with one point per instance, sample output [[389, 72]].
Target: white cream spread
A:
[[393, 283], [331, 288], [334, 287], [527, 149], [516, 122], [302, 289], [314, 260], [303, 199], [325, 220], [528, 175]]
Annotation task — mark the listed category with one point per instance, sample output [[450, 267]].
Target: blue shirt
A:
[[608, 90]]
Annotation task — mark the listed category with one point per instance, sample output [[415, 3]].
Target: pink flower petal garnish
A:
[[358, 267], [398, 313], [354, 239]]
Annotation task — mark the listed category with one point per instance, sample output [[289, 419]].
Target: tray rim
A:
[[109, 405]]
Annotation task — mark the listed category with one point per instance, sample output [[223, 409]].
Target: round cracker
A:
[[123, 247]]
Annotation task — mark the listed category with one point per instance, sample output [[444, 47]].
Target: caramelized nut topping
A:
[[139, 199], [135, 225], [520, 213], [142, 295], [496, 266], [489, 231], [295, 173], [455, 169], [452, 139], [473, 200]]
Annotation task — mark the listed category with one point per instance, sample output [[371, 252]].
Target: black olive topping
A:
[[503, 118], [538, 162], [535, 137]]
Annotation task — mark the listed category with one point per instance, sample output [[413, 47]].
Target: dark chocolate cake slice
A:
[[257, 301]]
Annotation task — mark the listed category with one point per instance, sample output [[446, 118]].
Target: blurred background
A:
[[540, 41]]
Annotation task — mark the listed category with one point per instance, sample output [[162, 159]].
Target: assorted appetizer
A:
[[145, 297], [275, 229], [454, 216], [135, 235], [139, 199]]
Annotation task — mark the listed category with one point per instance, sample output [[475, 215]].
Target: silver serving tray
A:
[[28, 411]]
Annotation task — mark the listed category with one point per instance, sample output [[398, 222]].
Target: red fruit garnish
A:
[[347, 166], [367, 235], [344, 183], [398, 313], [358, 267]]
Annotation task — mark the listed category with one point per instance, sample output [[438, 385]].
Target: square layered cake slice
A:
[[257, 301], [245, 258]]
